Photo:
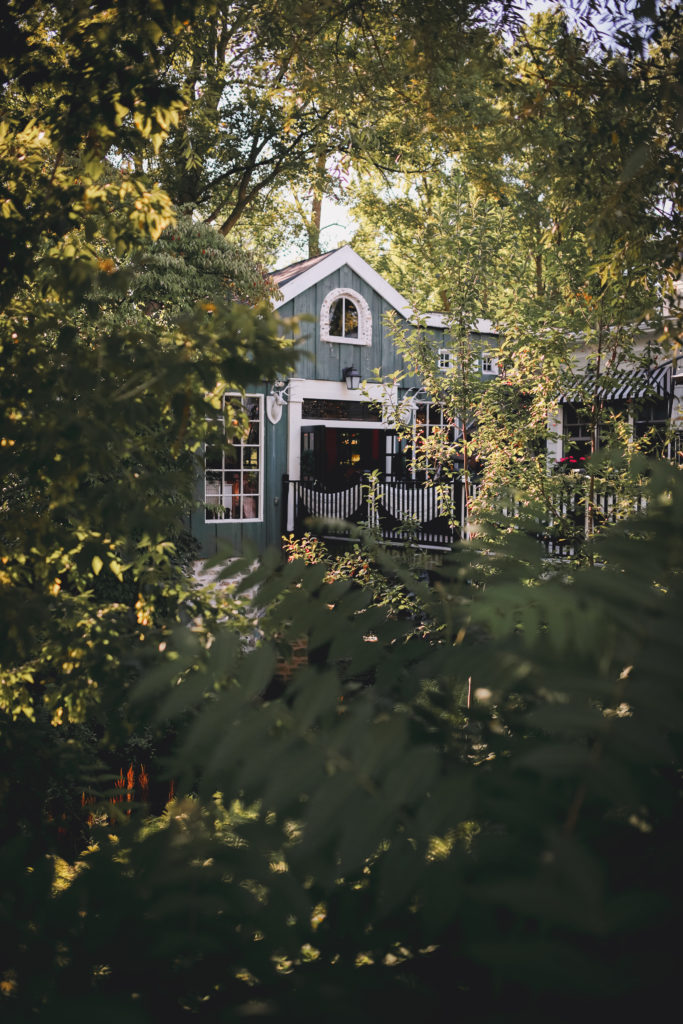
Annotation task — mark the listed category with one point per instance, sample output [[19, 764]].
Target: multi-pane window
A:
[[577, 432], [343, 318], [430, 416], [444, 360], [233, 477], [429, 419], [651, 422]]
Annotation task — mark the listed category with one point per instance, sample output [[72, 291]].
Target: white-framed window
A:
[[447, 360], [345, 318], [233, 477], [430, 417], [444, 360]]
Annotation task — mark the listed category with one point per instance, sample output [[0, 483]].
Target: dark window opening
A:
[[336, 457], [651, 425], [343, 319], [331, 409], [577, 429]]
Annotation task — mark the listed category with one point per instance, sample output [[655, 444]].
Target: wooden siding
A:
[[213, 537], [329, 359], [322, 360]]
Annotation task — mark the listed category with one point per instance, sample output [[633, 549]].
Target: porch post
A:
[[293, 444], [284, 509]]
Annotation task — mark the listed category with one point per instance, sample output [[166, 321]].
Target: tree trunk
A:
[[466, 477], [540, 288], [313, 225]]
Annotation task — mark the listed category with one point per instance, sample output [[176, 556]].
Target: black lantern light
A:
[[352, 378]]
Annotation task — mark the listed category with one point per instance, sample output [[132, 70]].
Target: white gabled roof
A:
[[313, 272], [344, 257]]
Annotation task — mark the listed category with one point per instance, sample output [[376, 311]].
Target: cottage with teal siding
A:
[[312, 438]]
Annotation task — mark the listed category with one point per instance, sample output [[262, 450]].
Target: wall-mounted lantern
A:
[[352, 378]]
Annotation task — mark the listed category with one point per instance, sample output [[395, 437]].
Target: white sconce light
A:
[[352, 378], [406, 411], [407, 407]]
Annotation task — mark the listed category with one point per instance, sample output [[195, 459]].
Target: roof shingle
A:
[[285, 274]]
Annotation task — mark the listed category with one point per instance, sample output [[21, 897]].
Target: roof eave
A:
[[345, 256]]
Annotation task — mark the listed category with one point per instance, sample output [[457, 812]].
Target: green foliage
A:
[[525, 242], [192, 263], [104, 410], [366, 841], [364, 565], [525, 849]]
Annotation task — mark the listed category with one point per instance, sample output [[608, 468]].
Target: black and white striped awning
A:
[[638, 383]]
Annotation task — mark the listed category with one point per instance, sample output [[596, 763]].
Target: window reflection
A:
[[343, 319], [233, 474]]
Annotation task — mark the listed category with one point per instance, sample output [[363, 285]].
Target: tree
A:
[[373, 846], [273, 93], [104, 406], [539, 259], [456, 233]]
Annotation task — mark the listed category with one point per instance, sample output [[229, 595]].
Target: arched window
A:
[[345, 318]]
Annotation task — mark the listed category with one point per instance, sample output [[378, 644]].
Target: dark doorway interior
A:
[[338, 457]]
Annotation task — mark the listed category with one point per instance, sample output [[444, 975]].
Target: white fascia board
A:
[[441, 320], [485, 327], [303, 387], [337, 259]]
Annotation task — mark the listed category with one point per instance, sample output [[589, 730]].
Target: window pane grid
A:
[[444, 359], [429, 417], [233, 475]]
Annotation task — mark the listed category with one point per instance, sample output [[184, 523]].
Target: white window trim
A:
[[364, 318], [418, 427], [262, 431], [444, 360], [346, 424], [493, 361]]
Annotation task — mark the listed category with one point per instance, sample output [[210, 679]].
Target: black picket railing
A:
[[398, 510], [435, 516]]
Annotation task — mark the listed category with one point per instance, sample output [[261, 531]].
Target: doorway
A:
[[338, 457]]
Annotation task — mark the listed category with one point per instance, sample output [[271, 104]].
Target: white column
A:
[[555, 427], [293, 443]]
